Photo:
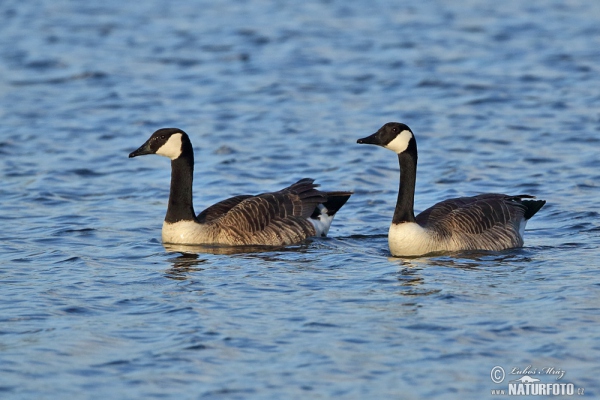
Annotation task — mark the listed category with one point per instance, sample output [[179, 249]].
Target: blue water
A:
[[502, 97]]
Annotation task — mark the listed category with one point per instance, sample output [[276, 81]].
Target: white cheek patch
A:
[[400, 142], [172, 148]]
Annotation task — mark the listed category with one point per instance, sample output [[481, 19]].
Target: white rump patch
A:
[[400, 142], [322, 222], [172, 148]]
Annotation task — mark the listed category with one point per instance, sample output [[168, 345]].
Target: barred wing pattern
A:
[[277, 218], [488, 221], [218, 209]]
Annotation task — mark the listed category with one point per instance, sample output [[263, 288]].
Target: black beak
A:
[[143, 150], [373, 139]]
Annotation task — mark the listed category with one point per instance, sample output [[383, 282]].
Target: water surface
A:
[[502, 98]]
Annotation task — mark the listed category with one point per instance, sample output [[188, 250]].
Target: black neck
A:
[[406, 194], [181, 207]]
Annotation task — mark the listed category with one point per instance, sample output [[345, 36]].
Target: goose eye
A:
[[395, 130], [163, 137]]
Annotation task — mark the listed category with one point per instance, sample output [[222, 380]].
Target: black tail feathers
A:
[[532, 206], [335, 201]]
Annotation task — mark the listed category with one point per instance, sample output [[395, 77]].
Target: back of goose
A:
[[485, 222]]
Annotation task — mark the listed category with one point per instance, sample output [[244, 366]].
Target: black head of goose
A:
[[281, 218], [489, 221]]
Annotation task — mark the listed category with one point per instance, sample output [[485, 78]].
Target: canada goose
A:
[[273, 219], [485, 222]]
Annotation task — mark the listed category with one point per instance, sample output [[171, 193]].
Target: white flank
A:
[[522, 225], [172, 148], [400, 142], [410, 239], [322, 222]]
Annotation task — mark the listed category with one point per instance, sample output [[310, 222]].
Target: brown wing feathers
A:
[[485, 221], [272, 218], [218, 209], [304, 196]]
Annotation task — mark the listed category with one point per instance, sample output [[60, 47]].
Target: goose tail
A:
[[322, 216], [532, 207]]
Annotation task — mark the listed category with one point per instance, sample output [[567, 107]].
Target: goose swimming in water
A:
[[485, 222], [272, 219]]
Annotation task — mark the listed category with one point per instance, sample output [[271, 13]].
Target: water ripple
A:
[[270, 93]]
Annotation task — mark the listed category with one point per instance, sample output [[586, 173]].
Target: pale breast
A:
[[410, 239], [184, 232]]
